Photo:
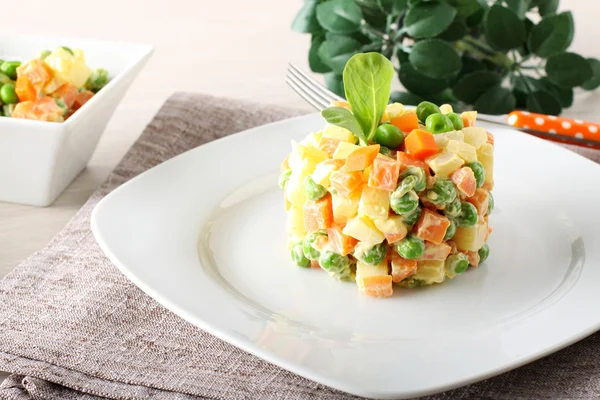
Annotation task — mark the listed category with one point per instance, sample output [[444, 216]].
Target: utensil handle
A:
[[555, 125]]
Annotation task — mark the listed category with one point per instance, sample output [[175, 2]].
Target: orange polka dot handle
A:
[[559, 129]]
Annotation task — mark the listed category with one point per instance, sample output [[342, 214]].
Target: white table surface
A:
[[237, 49]]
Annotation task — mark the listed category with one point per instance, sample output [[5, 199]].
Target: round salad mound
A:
[[385, 195]]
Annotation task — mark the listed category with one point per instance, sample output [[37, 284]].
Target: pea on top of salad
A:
[[386, 196], [50, 87]]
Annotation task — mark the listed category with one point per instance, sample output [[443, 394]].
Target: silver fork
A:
[[309, 89]]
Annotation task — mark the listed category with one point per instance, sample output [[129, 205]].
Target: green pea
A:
[[389, 136], [438, 123], [373, 255], [385, 151], [456, 264], [44, 54], [404, 204], [425, 109], [9, 68], [419, 173], [478, 171], [97, 80], [5, 79], [410, 248], [307, 245], [336, 265], [412, 283], [457, 121], [468, 215], [8, 109], [484, 253], [451, 231], [442, 192], [412, 218], [490, 204], [8, 94], [406, 185], [313, 190], [284, 178], [298, 256], [452, 210]]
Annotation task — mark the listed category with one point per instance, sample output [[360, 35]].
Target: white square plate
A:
[[204, 235]]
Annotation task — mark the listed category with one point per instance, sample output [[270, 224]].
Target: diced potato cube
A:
[[446, 108], [393, 110], [374, 203], [364, 230], [430, 271], [441, 139], [345, 207], [471, 239], [475, 136], [337, 132], [323, 171], [485, 154], [294, 189], [444, 163], [463, 150], [344, 149], [305, 158], [373, 280], [295, 223], [393, 228], [313, 140]]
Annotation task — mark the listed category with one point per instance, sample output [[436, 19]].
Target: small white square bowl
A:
[[38, 160]]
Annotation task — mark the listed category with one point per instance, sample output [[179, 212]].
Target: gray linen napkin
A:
[[73, 327]]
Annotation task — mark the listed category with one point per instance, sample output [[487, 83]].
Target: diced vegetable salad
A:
[[50, 87], [385, 195]]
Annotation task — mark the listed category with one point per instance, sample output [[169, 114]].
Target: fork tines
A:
[[309, 89]]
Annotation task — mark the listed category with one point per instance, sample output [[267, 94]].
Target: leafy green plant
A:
[[484, 54]]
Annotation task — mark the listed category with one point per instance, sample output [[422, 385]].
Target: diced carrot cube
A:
[[36, 71], [315, 264], [421, 144], [472, 256], [464, 179], [407, 122], [361, 158], [68, 93], [384, 174], [490, 138], [481, 201], [345, 182], [81, 99], [467, 122], [432, 226], [318, 215], [341, 103], [402, 268], [435, 251], [405, 161], [328, 145], [378, 286], [394, 237], [341, 243], [25, 90]]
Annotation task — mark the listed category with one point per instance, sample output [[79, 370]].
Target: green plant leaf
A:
[[426, 20], [314, 61], [465, 8], [405, 98], [336, 50], [471, 86], [520, 7], [503, 29], [564, 95], [435, 58], [552, 35], [343, 117], [306, 19], [547, 7], [418, 83], [594, 81], [367, 82], [457, 30], [543, 102], [375, 18], [399, 6], [469, 64], [477, 16], [335, 83], [339, 16], [568, 69], [496, 101], [444, 97]]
